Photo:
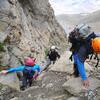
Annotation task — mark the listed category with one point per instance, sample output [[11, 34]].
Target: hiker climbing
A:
[[52, 56], [84, 42], [30, 70]]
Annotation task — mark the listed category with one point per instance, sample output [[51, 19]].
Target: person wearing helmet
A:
[[52, 56], [82, 45], [53, 47], [30, 71]]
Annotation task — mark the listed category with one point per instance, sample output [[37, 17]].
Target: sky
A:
[[74, 6]]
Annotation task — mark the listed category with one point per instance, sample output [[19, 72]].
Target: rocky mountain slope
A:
[[58, 84], [31, 23], [26, 24]]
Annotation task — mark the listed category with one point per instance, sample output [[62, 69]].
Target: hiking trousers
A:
[[26, 80]]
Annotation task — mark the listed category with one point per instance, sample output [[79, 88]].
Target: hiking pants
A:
[[76, 72], [80, 66], [26, 80]]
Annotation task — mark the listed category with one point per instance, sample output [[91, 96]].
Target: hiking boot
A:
[[76, 74], [22, 88]]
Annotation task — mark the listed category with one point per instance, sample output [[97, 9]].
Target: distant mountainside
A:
[[93, 17], [69, 21]]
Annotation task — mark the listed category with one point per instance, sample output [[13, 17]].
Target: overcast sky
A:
[[74, 6]]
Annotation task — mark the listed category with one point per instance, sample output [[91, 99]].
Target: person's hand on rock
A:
[[86, 83]]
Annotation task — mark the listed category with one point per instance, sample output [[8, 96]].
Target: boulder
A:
[[73, 98], [7, 93], [10, 80], [65, 65], [74, 86], [15, 98], [50, 85], [4, 58]]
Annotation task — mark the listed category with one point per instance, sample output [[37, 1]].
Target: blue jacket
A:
[[36, 67]]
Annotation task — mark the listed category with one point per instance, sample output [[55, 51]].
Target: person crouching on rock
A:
[[30, 70], [84, 43]]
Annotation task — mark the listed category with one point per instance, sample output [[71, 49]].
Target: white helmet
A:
[[53, 47], [84, 30]]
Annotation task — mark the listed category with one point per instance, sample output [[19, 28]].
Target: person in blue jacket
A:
[[81, 48], [30, 70]]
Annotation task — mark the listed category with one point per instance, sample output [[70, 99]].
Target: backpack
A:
[[81, 31], [28, 72], [80, 36], [76, 41], [84, 30]]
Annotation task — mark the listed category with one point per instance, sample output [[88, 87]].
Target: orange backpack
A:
[[96, 45]]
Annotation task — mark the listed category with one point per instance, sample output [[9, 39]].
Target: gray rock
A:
[[7, 93], [10, 80], [50, 85], [60, 97], [73, 98], [4, 58], [29, 24], [65, 65], [26, 24], [74, 86], [15, 98], [29, 96]]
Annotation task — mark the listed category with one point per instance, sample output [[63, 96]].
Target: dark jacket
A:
[[53, 55], [83, 47]]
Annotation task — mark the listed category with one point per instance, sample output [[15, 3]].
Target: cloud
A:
[[74, 6]]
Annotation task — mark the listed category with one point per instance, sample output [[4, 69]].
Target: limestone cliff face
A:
[[25, 24]]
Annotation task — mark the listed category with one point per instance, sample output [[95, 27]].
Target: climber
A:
[[30, 71], [52, 56], [84, 42]]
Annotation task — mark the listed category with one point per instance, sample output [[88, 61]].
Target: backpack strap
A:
[[96, 57]]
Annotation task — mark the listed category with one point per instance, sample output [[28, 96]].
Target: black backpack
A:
[[76, 42], [28, 72]]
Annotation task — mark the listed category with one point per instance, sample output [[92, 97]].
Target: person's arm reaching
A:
[[20, 68], [36, 68], [81, 69], [82, 73], [36, 74], [57, 54]]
